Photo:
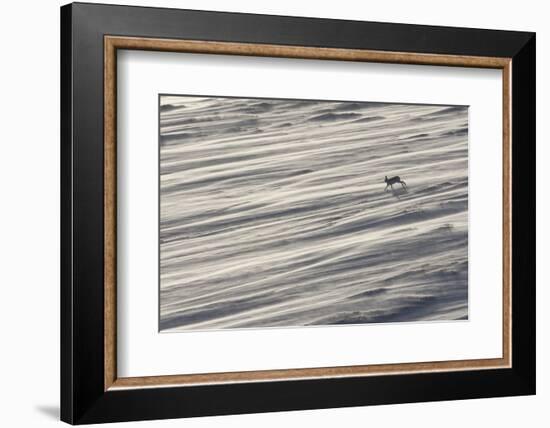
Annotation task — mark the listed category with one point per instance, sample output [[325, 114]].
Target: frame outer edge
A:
[[82, 394], [524, 216], [66, 256]]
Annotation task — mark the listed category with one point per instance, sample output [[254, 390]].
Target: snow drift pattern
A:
[[273, 213]]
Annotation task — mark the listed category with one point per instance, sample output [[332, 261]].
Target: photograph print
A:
[[281, 213]]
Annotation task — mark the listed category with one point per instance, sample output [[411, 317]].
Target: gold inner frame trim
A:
[[113, 43]]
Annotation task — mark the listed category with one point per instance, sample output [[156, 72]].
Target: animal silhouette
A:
[[393, 180]]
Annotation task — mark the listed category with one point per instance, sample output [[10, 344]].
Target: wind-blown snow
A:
[[273, 213]]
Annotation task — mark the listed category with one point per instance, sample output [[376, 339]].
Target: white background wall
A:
[[29, 214]]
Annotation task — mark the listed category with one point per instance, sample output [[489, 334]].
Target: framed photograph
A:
[[265, 213]]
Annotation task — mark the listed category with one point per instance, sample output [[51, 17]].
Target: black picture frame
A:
[[83, 396]]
